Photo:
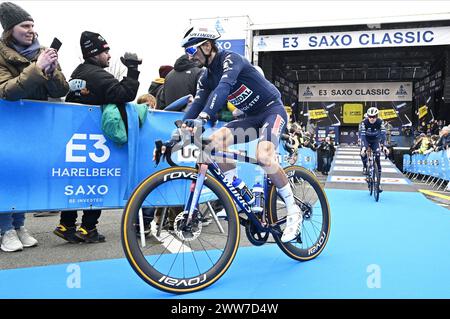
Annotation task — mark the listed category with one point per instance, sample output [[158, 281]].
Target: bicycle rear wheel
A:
[[311, 198], [192, 256]]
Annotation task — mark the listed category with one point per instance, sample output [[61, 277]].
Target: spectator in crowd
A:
[[311, 128], [425, 145], [308, 141], [444, 139], [423, 127], [389, 129], [182, 80], [157, 86], [147, 99], [432, 147], [327, 150], [434, 127], [27, 71], [98, 87], [416, 145]]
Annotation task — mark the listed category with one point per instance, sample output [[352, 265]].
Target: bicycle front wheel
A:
[[376, 182], [194, 253], [313, 202]]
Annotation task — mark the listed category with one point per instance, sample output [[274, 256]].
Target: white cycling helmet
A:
[[373, 111], [196, 35]]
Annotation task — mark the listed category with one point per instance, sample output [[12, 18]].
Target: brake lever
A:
[[158, 150], [178, 123]]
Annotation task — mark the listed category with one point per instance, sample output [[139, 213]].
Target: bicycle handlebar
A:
[[180, 142]]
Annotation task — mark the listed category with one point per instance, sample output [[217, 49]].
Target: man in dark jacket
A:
[[91, 84], [182, 80], [326, 150]]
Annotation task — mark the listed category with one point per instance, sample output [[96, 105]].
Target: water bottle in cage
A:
[[243, 190], [258, 193]]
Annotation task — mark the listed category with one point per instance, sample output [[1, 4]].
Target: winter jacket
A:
[[102, 87], [157, 90], [443, 142], [425, 145], [20, 78], [326, 149], [182, 80]]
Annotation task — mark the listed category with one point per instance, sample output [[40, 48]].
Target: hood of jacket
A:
[[183, 63], [153, 89]]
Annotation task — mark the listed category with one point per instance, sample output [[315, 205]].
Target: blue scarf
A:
[[30, 51]]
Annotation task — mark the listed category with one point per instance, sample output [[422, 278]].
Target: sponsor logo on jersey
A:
[[240, 95], [278, 126], [227, 64]]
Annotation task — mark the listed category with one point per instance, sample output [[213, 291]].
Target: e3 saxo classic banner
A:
[[54, 156]]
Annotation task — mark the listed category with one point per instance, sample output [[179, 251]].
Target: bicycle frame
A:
[[207, 164]]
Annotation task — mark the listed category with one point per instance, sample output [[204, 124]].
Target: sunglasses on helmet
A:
[[192, 50]]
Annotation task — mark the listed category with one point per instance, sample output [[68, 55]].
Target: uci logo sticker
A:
[[188, 154]]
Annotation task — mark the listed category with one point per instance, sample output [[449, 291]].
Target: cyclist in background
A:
[[230, 77], [360, 143], [373, 135]]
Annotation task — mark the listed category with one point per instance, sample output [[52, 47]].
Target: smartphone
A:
[[56, 44]]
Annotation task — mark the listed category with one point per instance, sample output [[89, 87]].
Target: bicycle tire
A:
[[376, 182], [142, 264], [290, 248]]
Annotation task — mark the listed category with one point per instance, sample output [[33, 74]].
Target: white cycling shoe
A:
[[293, 226]]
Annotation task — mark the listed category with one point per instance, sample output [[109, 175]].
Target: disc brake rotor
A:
[[187, 232]]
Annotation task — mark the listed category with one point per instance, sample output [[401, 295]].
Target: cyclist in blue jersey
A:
[[373, 135], [230, 77], [363, 158]]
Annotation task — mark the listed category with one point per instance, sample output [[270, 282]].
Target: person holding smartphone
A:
[[27, 71]]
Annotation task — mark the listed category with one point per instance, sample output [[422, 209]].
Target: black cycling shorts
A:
[[265, 126]]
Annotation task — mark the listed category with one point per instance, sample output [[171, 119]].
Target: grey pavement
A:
[[54, 250]]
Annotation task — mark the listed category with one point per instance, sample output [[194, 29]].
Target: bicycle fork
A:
[[195, 191]]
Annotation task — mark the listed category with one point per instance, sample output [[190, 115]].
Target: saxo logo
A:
[[76, 145]]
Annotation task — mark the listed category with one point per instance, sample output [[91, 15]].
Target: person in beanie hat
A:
[[164, 70], [157, 86], [92, 44], [28, 71], [11, 14], [91, 84]]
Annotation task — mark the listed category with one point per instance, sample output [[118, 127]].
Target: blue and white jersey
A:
[[371, 133], [230, 77]]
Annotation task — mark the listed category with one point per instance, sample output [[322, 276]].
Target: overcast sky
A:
[[153, 29]]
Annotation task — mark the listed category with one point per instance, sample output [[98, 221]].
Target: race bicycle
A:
[[195, 255], [373, 175]]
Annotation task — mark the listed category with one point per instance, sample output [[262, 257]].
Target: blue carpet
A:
[[404, 236]]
